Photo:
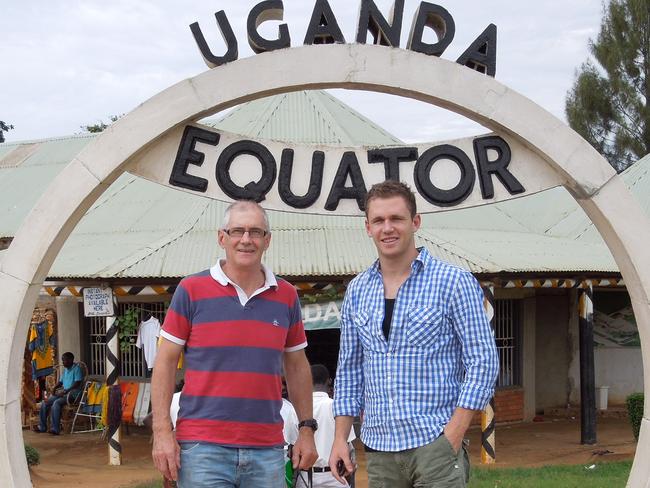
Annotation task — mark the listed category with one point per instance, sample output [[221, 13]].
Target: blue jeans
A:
[[206, 465], [54, 403]]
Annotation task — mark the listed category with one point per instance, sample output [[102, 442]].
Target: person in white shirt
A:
[[324, 436]]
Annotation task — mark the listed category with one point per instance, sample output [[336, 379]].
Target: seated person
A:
[[69, 386]]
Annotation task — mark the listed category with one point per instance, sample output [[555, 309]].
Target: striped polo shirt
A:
[[233, 359]]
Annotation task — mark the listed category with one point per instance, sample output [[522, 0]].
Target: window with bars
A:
[[507, 332], [132, 360]]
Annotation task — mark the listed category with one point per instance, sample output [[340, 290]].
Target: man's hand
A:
[[457, 426], [340, 452], [304, 450], [166, 454], [454, 436]]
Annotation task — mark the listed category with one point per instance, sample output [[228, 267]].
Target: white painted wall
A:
[[67, 312], [620, 368], [552, 349]]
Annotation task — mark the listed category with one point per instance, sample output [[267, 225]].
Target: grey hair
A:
[[236, 205]]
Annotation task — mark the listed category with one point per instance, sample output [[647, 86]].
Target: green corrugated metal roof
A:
[[141, 229], [304, 117]]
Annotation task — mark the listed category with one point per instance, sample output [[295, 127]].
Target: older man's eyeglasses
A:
[[238, 232]]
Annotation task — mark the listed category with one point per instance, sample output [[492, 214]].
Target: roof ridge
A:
[[437, 241], [359, 116]]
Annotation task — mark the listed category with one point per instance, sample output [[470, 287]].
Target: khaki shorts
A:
[[434, 465]]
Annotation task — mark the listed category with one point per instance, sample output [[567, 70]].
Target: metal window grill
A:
[[132, 359], [507, 332]]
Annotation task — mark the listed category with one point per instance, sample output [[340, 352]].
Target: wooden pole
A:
[[488, 434], [112, 379]]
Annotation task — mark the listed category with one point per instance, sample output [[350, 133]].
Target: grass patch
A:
[[149, 484], [603, 475]]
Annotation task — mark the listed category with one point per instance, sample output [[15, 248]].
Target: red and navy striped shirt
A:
[[233, 359]]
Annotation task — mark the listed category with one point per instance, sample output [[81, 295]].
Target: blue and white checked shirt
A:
[[440, 354]]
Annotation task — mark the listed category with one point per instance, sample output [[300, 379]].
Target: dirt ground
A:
[[82, 459]]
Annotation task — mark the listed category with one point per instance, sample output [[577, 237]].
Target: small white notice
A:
[[98, 302]]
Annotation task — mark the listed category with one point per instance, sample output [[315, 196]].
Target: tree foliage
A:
[[99, 126], [608, 103], [4, 128]]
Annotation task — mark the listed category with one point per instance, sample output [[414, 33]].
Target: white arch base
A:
[[584, 172]]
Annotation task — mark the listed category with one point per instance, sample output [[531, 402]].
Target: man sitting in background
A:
[[68, 387]]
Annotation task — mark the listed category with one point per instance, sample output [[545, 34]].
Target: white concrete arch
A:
[[587, 176]]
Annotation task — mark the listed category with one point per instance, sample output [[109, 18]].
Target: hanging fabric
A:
[[148, 333], [41, 344]]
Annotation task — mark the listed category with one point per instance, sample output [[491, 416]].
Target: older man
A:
[[417, 355], [239, 325]]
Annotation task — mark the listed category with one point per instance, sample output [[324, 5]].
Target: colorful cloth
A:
[[41, 344], [95, 398], [440, 355], [233, 359], [129, 400]]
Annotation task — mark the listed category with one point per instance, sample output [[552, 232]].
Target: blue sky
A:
[[70, 63]]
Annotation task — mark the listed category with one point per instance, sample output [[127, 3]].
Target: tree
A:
[[608, 103], [4, 128], [100, 126]]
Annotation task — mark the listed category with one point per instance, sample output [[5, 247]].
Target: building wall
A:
[[508, 405], [529, 357], [620, 368], [553, 352], [67, 311]]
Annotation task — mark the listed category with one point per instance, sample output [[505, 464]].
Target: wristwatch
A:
[[311, 423]]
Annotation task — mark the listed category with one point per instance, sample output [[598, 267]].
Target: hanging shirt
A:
[[148, 339]]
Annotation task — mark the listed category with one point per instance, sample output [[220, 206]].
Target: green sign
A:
[[322, 315]]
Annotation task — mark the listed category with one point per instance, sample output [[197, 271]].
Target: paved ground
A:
[[82, 459]]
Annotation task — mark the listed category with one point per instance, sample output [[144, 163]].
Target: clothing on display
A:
[[148, 333], [41, 345]]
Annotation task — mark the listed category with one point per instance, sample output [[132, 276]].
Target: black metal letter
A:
[[255, 190], [481, 55], [323, 27], [226, 32], [437, 18], [349, 166], [498, 167], [186, 155], [433, 194], [263, 11], [383, 32], [315, 180], [391, 157]]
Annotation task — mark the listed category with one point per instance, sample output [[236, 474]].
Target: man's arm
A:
[[165, 452], [348, 389], [340, 448], [299, 385], [479, 357]]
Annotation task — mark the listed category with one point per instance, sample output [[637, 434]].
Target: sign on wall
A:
[[98, 302]]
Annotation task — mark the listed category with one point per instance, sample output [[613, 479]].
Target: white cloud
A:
[[65, 64]]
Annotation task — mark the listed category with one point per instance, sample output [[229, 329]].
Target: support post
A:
[[587, 369], [112, 378], [488, 441]]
